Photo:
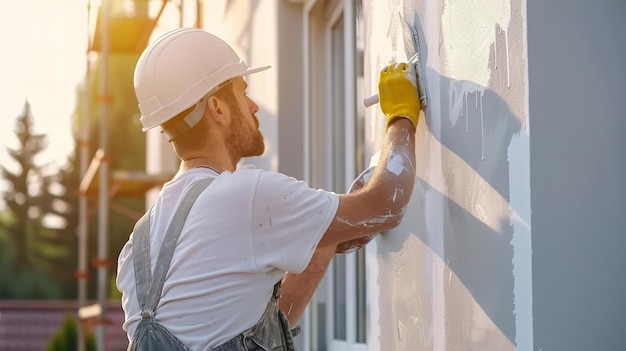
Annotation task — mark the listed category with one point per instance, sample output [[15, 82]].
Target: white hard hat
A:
[[178, 69]]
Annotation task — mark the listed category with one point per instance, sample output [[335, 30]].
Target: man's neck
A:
[[217, 162]]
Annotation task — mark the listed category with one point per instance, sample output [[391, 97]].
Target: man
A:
[[250, 229]]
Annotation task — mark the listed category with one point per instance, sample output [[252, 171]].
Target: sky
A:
[[42, 60]]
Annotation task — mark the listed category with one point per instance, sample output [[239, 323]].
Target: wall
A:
[[456, 275], [576, 83]]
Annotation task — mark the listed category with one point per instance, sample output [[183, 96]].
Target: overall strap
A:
[[141, 257], [149, 289]]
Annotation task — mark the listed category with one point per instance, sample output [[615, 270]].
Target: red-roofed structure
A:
[[28, 325]]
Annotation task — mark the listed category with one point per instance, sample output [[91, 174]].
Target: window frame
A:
[[319, 20]]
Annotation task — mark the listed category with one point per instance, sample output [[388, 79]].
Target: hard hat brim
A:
[[252, 70]]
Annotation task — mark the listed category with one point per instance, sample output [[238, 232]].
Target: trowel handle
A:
[[371, 100]]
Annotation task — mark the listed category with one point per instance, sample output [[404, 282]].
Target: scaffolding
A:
[[131, 34]]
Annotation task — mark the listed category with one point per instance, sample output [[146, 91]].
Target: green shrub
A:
[[66, 339]]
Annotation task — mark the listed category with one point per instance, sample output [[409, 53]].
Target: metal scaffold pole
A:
[[83, 238], [135, 23], [103, 206]]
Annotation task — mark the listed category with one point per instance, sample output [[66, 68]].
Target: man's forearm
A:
[[297, 289]]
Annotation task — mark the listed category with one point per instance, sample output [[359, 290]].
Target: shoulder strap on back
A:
[[149, 289], [141, 257]]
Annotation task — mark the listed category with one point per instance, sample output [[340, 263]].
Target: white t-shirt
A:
[[245, 231]]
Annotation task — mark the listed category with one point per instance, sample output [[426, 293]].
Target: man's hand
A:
[[397, 90]]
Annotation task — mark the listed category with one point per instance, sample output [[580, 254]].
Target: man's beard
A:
[[243, 140]]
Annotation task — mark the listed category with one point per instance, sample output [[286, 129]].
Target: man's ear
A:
[[217, 109]]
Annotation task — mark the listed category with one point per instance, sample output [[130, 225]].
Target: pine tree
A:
[[58, 245], [18, 199], [42, 256]]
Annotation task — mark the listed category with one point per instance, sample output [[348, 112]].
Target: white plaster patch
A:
[[469, 30], [395, 164]]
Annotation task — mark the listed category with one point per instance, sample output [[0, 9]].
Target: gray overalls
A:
[[271, 333]]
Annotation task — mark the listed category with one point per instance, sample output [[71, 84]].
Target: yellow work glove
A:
[[398, 94]]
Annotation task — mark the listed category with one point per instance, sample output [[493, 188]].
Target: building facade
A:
[[513, 237]]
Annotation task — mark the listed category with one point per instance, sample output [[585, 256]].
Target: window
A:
[[335, 138]]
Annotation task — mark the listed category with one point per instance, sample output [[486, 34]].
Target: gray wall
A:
[[289, 66], [576, 56]]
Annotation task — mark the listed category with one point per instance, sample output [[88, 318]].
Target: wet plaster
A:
[[457, 271]]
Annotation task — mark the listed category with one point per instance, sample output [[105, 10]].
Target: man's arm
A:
[[380, 204], [376, 207], [298, 289]]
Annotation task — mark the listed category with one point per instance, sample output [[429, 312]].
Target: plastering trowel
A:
[[415, 61]]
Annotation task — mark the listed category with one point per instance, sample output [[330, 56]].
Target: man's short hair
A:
[[195, 137]]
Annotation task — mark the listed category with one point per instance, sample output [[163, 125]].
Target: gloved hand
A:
[[398, 94]]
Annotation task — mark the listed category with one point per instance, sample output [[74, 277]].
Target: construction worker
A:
[[252, 235]]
